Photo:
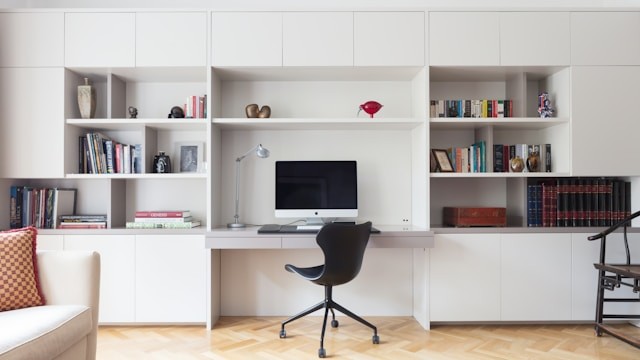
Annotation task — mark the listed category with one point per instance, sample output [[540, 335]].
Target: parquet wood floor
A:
[[400, 338]]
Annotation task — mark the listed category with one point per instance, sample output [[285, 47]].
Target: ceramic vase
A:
[[86, 100]]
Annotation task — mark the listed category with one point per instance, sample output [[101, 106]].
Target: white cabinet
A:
[[464, 38], [100, 39], [170, 278], [117, 273], [535, 277], [246, 39], [534, 38], [604, 124], [389, 38], [605, 38], [465, 277], [32, 122], [171, 39], [50, 242], [317, 39], [31, 39]]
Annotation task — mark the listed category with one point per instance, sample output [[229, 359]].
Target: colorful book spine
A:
[[155, 225], [163, 214]]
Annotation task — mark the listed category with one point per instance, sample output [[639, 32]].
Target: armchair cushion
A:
[[19, 282]]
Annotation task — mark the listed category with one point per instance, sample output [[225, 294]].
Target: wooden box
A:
[[474, 216]]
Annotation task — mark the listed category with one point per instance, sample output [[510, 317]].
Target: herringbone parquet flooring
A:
[[400, 338]]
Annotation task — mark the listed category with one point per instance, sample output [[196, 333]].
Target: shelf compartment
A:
[[318, 124]]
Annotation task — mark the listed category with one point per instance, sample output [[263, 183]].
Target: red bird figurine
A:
[[370, 107]]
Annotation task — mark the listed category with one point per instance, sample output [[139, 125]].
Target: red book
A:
[[163, 214]]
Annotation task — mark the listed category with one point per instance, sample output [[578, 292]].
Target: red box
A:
[[474, 216]]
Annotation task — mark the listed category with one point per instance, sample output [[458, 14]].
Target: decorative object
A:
[[87, 100], [544, 105], [190, 156], [133, 112], [443, 163], [176, 112], [253, 111], [370, 107], [161, 163], [533, 162], [19, 283], [516, 164], [262, 153]]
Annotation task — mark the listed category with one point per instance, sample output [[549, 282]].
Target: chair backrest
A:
[[343, 246]]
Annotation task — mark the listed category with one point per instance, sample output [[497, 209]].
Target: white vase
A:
[[86, 100]]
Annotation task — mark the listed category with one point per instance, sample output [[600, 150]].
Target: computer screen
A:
[[316, 189]]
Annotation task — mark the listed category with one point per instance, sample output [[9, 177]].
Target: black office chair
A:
[[343, 246]]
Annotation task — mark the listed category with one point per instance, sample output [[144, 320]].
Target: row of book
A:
[[83, 222], [503, 154], [163, 219], [196, 107], [469, 159], [578, 202], [39, 207], [470, 108], [98, 154]]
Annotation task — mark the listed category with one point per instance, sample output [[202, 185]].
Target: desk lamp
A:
[[261, 153]]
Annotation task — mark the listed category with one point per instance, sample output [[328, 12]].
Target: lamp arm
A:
[[246, 154], [237, 216]]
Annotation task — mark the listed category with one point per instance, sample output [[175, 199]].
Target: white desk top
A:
[[390, 236]]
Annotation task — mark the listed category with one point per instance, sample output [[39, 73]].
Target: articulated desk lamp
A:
[[261, 153]]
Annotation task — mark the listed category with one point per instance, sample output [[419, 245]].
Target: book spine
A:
[[153, 225], [161, 214], [163, 219]]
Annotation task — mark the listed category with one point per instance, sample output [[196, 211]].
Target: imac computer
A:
[[315, 190]]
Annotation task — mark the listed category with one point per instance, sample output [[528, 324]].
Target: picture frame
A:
[[443, 163], [190, 156]]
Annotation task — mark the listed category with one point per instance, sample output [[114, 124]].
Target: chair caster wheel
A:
[[283, 334], [334, 323], [375, 339], [322, 353]]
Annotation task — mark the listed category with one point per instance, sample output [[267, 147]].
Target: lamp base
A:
[[236, 225]]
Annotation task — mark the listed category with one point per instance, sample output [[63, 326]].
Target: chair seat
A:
[[309, 273], [630, 271]]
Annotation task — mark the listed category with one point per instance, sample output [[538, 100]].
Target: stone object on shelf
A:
[[253, 111], [87, 100]]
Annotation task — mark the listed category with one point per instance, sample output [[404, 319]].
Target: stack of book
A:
[[39, 207], [83, 222], [169, 219], [98, 154]]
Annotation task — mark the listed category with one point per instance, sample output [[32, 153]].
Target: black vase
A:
[[161, 163]]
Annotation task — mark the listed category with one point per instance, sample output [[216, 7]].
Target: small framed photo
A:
[[190, 156], [443, 163]]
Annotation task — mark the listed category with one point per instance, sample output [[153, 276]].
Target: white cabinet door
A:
[[32, 39], [604, 124], [50, 242], [117, 273], [246, 39], [100, 39], [535, 38], [536, 277], [464, 38], [465, 277], [171, 39], [32, 122], [170, 278], [605, 38], [317, 39], [389, 38]]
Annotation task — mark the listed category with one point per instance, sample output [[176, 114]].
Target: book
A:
[[64, 203], [165, 225], [164, 219], [83, 225], [162, 213], [136, 159]]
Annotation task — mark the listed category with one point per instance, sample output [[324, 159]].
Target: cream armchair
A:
[[67, 326]]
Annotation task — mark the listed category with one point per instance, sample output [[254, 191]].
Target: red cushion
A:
[[19, 282]]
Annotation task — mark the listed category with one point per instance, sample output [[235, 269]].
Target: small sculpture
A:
[[370, 107], [176, 113], [161, 163], [252, 111], [516, 164], [544, 105], [533, 161], [133, 112], [87, 100]]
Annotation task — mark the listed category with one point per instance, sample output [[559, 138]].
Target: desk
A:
[[390, 236]]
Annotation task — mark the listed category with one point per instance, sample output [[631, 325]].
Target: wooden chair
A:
[[612, 276]]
